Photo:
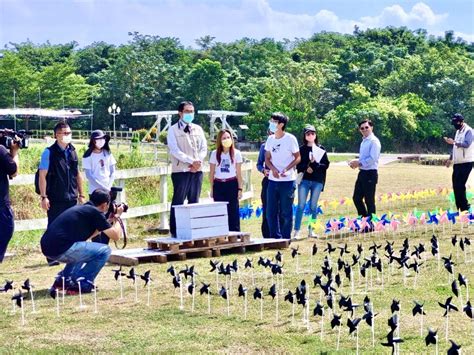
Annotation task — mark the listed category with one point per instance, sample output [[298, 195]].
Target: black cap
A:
[[457, 117], [309, 128], [98, 134]]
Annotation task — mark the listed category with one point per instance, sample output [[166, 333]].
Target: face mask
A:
[[188, 117], [227, 143], [66, 139], [457, 125], [272, 127], [99, 143]]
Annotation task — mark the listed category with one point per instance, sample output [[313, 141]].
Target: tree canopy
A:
[[407, 82]]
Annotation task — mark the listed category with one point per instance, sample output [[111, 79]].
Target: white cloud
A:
[[111, 20], [420, 15]]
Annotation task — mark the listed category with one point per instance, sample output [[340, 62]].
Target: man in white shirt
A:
[[282, 154], [462, 156], [188, 148]]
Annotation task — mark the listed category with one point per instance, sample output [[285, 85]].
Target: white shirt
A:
[[99, 168], [282, 150], [226, 169]]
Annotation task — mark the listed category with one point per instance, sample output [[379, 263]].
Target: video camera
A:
[[113, 206], [8, 137]]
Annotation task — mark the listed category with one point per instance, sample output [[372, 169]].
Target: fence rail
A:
[[163, 208]]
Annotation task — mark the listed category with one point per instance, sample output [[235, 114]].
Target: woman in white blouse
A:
[[226, 176]]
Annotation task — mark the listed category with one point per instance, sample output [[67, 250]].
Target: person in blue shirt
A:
[[369, 153], [263, 194]]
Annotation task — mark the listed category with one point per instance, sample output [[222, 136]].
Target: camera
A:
[[8, 137], [113, 206]]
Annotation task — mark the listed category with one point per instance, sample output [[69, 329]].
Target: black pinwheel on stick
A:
[[8, 286]]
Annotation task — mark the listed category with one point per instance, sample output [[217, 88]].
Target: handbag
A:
[[299, 178]]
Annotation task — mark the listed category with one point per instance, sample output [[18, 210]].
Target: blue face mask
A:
[[188, 117], [272, 127]]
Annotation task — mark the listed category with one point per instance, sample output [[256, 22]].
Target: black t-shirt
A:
[[319, 169], [76, 224], [7, 167]]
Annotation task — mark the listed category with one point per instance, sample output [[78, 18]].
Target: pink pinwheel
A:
[[334, 225], [394, 223], [444, 218], [379, 226], [422, 219], [412, 220], [351, 224], [464, 217]]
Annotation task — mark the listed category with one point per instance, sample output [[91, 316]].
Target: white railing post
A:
[[162, 208], [164, 216]]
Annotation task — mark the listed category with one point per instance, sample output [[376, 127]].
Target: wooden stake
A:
[[148, 286], [32, 300], [95, 299], [22, 311], [208, 303], [64, 288], [81, 305], [57, 302], [181, 306], [338, 337], [136, 291], [245, 305], [121, 287]]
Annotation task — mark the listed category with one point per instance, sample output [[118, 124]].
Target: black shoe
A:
[[52, 262]]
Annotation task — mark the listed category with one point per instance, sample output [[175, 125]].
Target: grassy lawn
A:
[[124, 326]]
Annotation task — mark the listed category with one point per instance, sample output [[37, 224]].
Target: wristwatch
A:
[[43, 197]]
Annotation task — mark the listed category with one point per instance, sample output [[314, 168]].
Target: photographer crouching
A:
[[65, 241], [9, 163]]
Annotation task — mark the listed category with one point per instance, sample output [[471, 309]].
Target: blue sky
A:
[[86, 21]]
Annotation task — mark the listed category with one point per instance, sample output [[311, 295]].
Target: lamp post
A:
[[114, 110]]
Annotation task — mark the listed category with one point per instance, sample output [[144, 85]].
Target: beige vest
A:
[[462, 155], [188, 143]]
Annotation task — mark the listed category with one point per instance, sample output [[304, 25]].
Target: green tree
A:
[[206, 85]]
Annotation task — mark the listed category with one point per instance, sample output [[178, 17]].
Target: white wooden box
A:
[[198, 220]]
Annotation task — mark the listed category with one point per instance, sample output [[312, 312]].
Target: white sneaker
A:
[[311, 233], [296, 235]]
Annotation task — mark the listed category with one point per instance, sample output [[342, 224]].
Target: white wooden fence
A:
[[163, 208]]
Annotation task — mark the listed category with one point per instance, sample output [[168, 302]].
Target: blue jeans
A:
[[280, 196], [303, 190], [84, 259]]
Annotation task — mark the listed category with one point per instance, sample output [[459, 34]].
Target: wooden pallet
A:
[[132, 257], [174, 244]]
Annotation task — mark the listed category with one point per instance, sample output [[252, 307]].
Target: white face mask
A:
[[99, 143], [66, 139]]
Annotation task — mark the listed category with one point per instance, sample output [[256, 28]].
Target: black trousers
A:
[[58, 207], [364, 192], [460, 175], [229, 191], [263, 197], [7, 223], [186, 186]]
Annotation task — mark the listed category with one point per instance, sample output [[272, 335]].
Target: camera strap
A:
[[124, 231]]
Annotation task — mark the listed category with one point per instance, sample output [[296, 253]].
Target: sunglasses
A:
[[310, 133], [364, 128]]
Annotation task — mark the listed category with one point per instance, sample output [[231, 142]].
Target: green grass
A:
[[123, 326]]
